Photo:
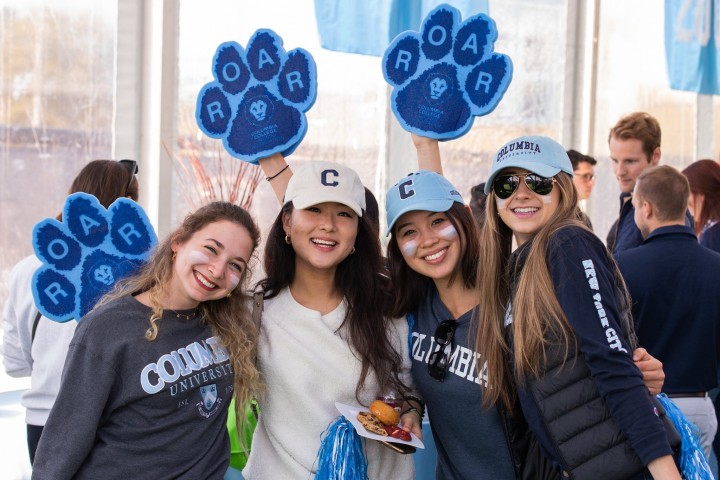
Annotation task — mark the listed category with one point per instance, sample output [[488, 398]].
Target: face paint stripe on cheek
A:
[[198, 257], [409, 248], [501, 204], [234, 280], [448, 232]]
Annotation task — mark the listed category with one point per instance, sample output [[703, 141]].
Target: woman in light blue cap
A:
[[555, 328], [433, 255]]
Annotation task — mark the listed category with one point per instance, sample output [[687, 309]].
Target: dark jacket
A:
[[676, 305], [577, 429]]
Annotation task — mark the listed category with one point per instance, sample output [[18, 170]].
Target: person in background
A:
[[676, 297], [584, 180], [554, 325], [372, 210], [152, 369], [583, 173], [33, 345], [477, 204], [634, 143], [704, 204]]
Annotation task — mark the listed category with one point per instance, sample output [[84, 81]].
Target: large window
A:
[[632, 76], [57, 98], [56, 104]]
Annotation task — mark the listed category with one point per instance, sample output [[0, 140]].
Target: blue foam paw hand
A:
[[446, 74], [259, 97], [87, 253]]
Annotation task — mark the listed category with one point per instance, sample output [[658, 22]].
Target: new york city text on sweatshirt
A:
[[190, 363]]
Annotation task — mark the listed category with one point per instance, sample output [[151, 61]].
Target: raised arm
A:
[[278, 173], [428, 153]]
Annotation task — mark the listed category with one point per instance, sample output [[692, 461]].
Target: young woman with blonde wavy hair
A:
[[554, 324], [152, 369]]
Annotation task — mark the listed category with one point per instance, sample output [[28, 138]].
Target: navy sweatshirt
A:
[[582, 274], [676, 305]]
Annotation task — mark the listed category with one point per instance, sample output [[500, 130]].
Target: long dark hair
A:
[[410, 286], [704, 178], [367, 293], [107, 180]]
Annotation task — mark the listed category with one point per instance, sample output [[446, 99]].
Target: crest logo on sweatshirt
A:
[[209, 396]]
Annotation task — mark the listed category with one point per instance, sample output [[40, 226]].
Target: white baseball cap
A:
[[318, 182]]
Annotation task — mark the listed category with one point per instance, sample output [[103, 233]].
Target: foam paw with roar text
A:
[[259, 97], [446, 74], [87, 253]]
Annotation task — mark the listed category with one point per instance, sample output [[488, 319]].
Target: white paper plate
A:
[[351, 412]]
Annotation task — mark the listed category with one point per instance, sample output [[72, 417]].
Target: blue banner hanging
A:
[[368, 26], [692, 43]]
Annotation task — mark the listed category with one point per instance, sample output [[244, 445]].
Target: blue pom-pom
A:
[[341, 455], [693, 463]]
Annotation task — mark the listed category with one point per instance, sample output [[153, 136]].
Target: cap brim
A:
[[537, 168], [429, 205], [308, 200]]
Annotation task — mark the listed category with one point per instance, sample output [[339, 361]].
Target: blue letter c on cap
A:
[[324, 178], [405, 190]]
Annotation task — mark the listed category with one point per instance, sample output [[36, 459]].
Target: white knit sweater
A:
[[307, 367]]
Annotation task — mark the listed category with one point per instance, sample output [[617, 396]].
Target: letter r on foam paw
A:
[[446, 74], [87, 253], [257, 101]]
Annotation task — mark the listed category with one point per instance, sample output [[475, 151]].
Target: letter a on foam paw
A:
[[259, 97], [87, 253], [446, 74]]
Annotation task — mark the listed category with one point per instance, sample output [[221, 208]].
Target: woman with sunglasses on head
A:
[[433, 253], [152, 368], [324, 336], [554, 325], [33, 345]]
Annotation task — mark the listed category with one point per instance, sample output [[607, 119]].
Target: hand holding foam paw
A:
[[447, 74], [257, 101], [87, 253]]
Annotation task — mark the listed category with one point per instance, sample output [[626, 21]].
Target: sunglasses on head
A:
[[132, 167], [505, 185], [439, 359]]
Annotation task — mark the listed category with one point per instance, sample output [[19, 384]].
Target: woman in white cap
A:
[[554, 325], [324, 337]]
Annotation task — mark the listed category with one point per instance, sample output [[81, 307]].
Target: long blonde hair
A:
[[229, 317], [536, 313]]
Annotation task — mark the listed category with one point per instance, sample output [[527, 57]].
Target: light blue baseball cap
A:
[[421, 190], [540, 155]]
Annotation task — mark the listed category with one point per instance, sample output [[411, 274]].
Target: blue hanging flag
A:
[[368, 26], [691, 45]]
